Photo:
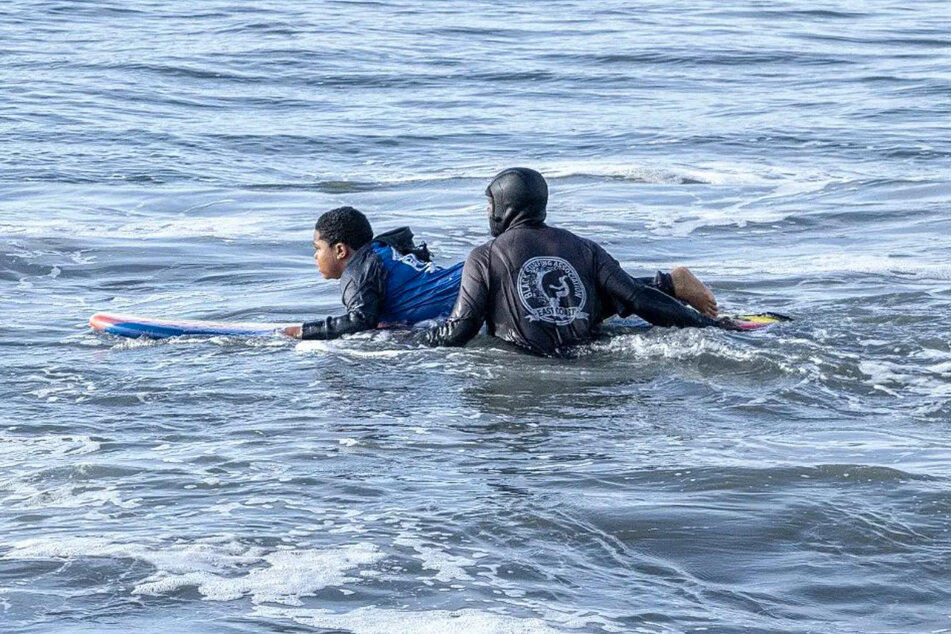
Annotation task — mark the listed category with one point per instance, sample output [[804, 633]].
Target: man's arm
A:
[[661, 281], [468, 314], [684, 286], [633, 296], [363, 291]]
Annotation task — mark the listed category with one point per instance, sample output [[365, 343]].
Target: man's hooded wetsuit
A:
[[390, 282], [546, 289]]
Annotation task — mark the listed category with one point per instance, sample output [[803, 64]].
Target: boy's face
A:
[[331, 258]]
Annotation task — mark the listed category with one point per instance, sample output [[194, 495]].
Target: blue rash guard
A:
[[384, 288], [415, 290]]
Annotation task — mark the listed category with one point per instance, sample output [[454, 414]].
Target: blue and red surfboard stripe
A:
[[139, 326]]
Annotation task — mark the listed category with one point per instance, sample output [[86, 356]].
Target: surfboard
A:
[[154, 328], [758, 320], [747, 321]]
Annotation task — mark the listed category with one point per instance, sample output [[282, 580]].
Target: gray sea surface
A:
[[170, 159]]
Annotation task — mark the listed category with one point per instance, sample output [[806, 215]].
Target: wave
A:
[[377, 620], [220, 569], [812, 265]]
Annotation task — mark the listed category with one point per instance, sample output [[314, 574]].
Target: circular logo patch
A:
[[551, 291]]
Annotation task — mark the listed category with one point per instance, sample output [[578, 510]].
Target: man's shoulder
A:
[[482, 250], [570, 237]]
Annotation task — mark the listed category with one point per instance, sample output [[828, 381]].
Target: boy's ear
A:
[[341, 250]]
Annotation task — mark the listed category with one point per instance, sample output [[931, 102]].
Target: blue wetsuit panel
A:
[[416, 290]]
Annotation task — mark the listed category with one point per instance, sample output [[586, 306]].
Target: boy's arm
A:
[[469, 312], [364, 287]]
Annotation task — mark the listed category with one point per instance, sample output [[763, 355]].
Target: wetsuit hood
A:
[[519, 196]]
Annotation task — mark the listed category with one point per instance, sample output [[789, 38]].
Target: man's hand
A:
[[291, 331]]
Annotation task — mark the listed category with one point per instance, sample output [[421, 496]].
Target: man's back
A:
[[544, 288]]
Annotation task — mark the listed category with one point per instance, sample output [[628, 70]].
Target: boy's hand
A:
[[291, 331]]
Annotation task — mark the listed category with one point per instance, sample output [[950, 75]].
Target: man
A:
[[388, 281], [546, 289]]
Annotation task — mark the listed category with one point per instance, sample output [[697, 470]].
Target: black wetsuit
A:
[[546, 289]]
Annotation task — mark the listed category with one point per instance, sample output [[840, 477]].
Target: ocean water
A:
[[170, 158]]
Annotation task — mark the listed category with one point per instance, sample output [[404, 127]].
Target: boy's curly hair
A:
[[346, 225]]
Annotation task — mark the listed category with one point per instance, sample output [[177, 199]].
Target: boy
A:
[[386, 281], [389, 282]]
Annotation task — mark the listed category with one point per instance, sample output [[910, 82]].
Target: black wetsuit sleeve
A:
[[364, 287], [661, 281], [632, 296], [468, 313]]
